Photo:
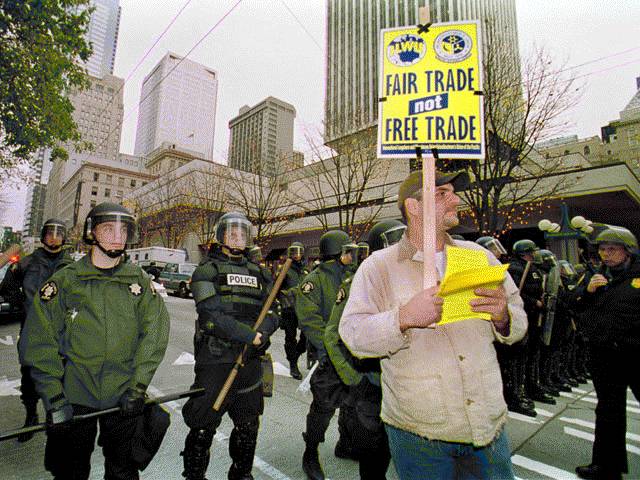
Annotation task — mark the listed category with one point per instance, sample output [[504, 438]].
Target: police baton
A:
[[263, 313], [77, 418]]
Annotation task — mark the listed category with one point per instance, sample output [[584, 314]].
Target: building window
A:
[[96, 177], [133, 183], [93, 203], [120, 182], [119, 194], [109, 178], [587, 150], [94, 191], [567, 152], [107, 192], [144, 183]]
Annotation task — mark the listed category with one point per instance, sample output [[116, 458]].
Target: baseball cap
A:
[[413, 183]]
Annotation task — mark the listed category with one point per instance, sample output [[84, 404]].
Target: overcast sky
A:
[[260, 49]]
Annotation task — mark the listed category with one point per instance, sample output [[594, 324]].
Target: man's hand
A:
[[597, 281], [58, 419], [493, 302], [257, 340], [132, 402], [424, 309]]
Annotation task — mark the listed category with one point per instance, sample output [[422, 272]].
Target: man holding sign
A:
[[442, 405]]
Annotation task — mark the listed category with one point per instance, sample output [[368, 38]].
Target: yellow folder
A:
[[466, 270]]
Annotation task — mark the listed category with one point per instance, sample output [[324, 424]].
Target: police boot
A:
[[311, 461], [30, 420], [196, 453], [545, 378], [242, 449], [294, 371], [536, 391]]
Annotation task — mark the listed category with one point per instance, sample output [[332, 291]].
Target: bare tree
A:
[[521, 108], [264, 197], [347, 189], [207, 194]]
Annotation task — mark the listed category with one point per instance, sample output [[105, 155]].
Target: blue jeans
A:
[[417, 458]]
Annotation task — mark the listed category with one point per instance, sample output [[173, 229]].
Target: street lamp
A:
[[565, 230]]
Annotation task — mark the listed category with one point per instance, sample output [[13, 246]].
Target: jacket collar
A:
[[86, 268]]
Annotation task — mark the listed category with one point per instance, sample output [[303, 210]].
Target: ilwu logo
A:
[[406, 50]]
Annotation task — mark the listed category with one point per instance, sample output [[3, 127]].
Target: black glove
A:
[[59, 419], [132, 401]]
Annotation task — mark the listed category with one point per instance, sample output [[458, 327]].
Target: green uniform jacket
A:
[[91, 335], [337, 351], [315, 298]]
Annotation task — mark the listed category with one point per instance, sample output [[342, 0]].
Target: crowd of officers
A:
[[71, 363]]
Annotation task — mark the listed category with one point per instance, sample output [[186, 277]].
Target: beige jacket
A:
[[441, 383]]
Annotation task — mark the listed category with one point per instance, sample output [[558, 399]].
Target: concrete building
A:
[[262, 137], [95, 183], [620, 140], [103, 35], [178, 106], [99, 119], [353, 27], [36, 194]]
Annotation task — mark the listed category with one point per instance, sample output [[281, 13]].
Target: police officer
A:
[[314, 300], [229, 292], [610, 306], [293, 347], [362, 425], [525, 355], [94, 338], [494, 246], [21, 283]]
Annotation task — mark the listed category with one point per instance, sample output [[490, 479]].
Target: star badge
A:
[[307, 287], [135, 288], [341, 296], [48, 291]]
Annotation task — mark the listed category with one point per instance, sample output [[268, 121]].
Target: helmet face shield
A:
[[349, 254], [54, 232], [567, 270], [393, 235], [363, 252], [235, 233], [537, 257], [113, 230], [495, 247], [295, 252]]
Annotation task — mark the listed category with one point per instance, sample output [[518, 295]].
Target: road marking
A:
[[543, 412], [595, 401], [584, 423], [221, 437], [185, 358], [579, 390], [590, 437], [524, 418], [568, 395], [8, 340], [9, 387], [543, 468]]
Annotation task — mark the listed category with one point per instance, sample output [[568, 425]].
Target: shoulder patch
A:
[[48, 291], [342, 294], [307, 287], [635, 283]]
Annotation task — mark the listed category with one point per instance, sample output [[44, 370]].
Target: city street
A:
[[549, 446]]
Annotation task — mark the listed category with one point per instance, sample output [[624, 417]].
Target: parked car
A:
[[176, 278], [8, 311]]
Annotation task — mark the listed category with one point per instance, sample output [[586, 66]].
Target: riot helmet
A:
[[295, 251], [331, 243], [349, 254], [110, 227], [493, 245], [235, 232], [566, 269], [363, 251], [526, 246], [53, 234], [620, 236], [548, 258], [255, 254], [386, 233]]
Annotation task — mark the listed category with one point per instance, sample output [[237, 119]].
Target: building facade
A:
[[178, 106], [261, 139], [353, 27], [103, 35]]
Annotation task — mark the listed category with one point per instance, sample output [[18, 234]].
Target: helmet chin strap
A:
[[110, 253]]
